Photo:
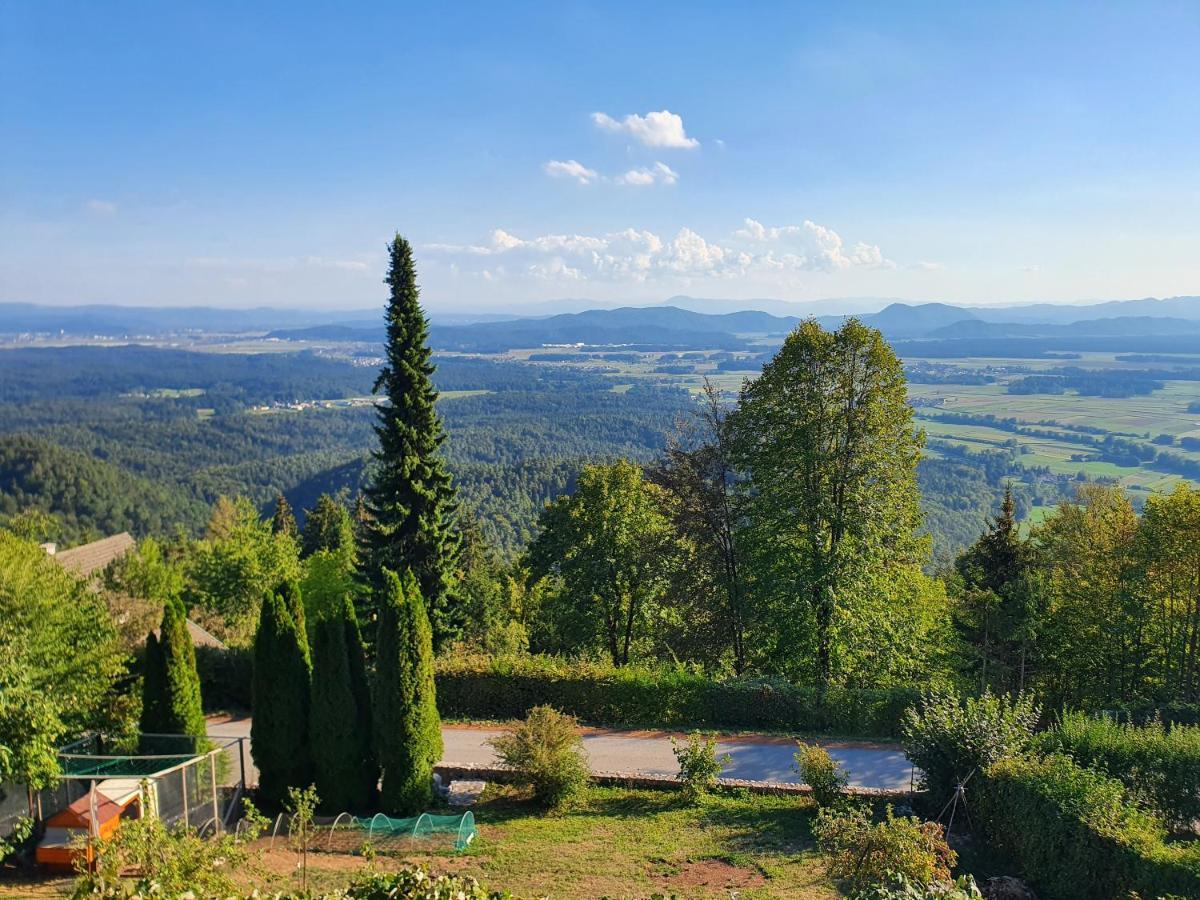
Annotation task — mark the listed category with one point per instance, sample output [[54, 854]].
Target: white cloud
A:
[[655, 129], [636, 255], [570, 169], [101, 207], [810, 246], [659, 173], [927, 266]]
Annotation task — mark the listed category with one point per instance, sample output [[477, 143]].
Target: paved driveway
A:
[[753, 757]]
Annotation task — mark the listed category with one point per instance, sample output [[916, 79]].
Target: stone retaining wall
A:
[[662, 782]]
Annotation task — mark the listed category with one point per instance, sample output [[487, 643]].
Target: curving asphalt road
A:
[[752, 757]]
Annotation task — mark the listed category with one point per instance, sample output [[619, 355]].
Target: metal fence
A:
[[185, 781]]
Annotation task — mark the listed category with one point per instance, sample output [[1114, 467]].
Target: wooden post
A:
[[183, 776], [212, 771]]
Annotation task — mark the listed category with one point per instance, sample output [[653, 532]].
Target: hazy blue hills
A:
[[662, 327], [1122, 326]]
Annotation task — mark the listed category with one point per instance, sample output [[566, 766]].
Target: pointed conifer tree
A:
[[410, 500], [171, 701], [333, 720], [284, 520], [327, 526], [183, 708], [360, 688], [154, 687], [282, 674], [407, 727]]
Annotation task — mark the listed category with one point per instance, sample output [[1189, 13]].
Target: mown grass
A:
[[630, 843]]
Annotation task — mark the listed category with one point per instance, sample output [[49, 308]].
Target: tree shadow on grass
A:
[[783, 830]]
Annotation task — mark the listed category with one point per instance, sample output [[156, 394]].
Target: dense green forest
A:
[[117, 425]]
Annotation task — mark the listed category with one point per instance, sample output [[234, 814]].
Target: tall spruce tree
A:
[[410, 500], [282, 674], [284, 520], [407, 728], [171, 701], [327, 526], [1000, 601]]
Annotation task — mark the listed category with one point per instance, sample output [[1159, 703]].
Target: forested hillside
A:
[[189, 427]]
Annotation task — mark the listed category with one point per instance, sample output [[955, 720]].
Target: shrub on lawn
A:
[[145, 858], [949, 739], [820, 772], [866, 854], [412, 883], [481, 687], [1160, 766], [699, 766], [902, 888], [546, 753], [1075, 835]]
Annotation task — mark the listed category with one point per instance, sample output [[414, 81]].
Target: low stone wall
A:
[[662, 782]]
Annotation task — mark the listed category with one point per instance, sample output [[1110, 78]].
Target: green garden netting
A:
[[384, 830]]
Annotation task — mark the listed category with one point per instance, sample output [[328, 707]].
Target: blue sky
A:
[[262, 154]]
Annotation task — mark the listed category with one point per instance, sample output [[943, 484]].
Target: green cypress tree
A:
[[408, 731], [360, 687], [293, 598], [182, 707], [333, 721], [282, 673], [154, 687], [410, 500], [284, 520]]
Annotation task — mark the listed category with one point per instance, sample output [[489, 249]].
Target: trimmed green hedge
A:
[[473, 687], [599, 694], [1160, 766], [1074, 834]]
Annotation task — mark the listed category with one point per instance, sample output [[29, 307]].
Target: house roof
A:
[[202, 638], [91, 558]]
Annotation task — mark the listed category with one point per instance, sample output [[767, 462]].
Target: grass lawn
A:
[[629, 843], [617, 843]]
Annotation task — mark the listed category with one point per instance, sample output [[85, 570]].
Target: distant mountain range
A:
[[661, 327]]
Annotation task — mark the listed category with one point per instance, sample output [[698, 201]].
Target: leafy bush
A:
[[167, 863], [481, 687], [1159, 766], [821, 773], [1074, 834], [902, 888], [949, 739], [546, 753], [699, 767], [866, 854], [413, 883]]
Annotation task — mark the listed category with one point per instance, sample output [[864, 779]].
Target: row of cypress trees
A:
[[318, 718]]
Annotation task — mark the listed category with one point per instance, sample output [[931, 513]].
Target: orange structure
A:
[[97, 814]]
